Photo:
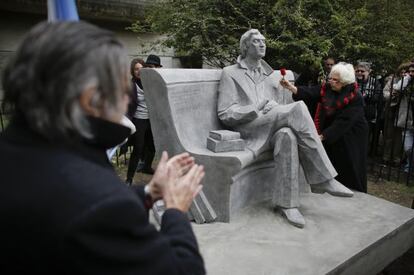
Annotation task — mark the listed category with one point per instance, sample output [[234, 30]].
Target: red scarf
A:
[[327, 105]]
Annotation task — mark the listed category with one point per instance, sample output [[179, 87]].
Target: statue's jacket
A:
[[240, 97]]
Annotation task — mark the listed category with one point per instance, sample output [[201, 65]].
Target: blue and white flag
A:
[[62, 10]]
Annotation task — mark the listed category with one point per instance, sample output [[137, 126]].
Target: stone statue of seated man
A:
[[250, 102]]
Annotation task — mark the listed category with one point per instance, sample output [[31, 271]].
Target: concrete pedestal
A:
[[359, 235]]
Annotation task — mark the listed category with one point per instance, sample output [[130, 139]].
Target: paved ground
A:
[[377, 185], [342, 236]]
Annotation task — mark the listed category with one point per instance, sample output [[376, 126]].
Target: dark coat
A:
[[133, 98], [345, 138], [64, 210]]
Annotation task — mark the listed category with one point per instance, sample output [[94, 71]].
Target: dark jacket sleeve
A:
[[133, 101], [309, 95], [114, 236], [139, 191], [344, 120]]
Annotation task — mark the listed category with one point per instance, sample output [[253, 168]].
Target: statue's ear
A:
[[89, 102]]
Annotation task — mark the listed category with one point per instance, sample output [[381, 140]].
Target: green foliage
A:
[[299, 33]]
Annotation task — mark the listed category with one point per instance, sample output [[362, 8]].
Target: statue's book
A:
[[218, 146], [223, 135]]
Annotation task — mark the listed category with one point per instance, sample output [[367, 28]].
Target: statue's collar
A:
[[266, 69]]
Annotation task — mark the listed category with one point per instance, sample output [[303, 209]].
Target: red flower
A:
[[283, 71], [346, 100]]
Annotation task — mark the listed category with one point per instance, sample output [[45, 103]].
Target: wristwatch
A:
[[148, 201]]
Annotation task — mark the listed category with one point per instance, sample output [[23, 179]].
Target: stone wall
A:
[[113, 10], [18, 16]]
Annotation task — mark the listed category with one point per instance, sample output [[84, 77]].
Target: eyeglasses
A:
[[333, 79], [360, 71], [411, 71]]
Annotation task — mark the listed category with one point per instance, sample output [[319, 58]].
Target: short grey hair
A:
[[345, 72], [245, 39], [364, 64], [54, 64]]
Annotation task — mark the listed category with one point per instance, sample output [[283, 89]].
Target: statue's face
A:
[[257, 46]]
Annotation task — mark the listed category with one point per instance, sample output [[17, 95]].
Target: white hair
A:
[[345, 72]]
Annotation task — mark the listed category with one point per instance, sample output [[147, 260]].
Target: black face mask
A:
[[107, 134]]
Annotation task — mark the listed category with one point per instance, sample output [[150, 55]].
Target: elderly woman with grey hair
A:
[[68, 212], [340, 122]]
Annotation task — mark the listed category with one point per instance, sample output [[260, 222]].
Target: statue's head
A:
[[252, 44]]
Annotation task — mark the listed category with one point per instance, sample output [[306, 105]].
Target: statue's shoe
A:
[[293, 216], [333, 187]]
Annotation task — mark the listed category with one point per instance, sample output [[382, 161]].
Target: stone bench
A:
[[182, 107]]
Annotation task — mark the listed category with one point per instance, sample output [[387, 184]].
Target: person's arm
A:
[[114, 236], [230, 108], [305, 93], [343, 122], [402, 83], [310, 95]]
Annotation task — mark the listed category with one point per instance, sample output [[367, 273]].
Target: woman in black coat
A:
[[340, 122]]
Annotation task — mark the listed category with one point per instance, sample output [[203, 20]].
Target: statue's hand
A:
[[243, 114], [251, 115], [269, 106]]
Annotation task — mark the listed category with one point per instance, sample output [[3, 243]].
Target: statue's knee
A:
[[300, 106], [300, 110], [284, 138]]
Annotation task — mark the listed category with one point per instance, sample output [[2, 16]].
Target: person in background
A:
[[340, 122], [392, 133], [404, 88], [69, 213], [328, 63], [366, 86], [371, 90], [136, 65], [137, 111], [142, 141], [153, 61]]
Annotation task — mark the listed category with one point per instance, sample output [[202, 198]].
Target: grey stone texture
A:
[[225, 145], [201, 210], [182, 107], [224, 135], [356, 236]]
